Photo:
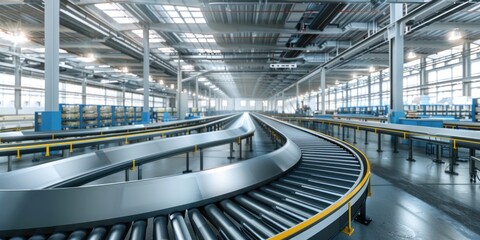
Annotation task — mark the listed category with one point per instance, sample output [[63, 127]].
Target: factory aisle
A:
[[417, 200]]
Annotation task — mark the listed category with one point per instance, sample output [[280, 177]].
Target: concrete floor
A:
[[416, 200], [411, 200]]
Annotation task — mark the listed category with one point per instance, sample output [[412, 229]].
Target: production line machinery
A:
[[312, 186]]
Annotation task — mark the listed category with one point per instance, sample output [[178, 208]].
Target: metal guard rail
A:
[[326, 222], [70, 144], [79, 170], [30, 135]]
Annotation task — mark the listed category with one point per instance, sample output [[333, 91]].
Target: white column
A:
[[52, 46], [18, 78], [146, 68], [84, 89], [322, 88], [467, 70], [396, 60]]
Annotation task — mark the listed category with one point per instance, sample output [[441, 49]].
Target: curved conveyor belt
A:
[[307, 198]]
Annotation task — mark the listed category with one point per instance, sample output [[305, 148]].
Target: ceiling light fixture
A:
[[371, 69], [455, 34], [411, 55]]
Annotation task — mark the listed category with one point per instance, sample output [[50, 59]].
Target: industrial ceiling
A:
[[230, 46]]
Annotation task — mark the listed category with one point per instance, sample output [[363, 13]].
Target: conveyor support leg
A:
[[231, 151], [251, 144], [354, 136], [366, 137], [201, 159], [362, 215], [438, 158], [453, 155], [139, 172], [379, 144], [395, 144], [410, 150], [240, 149], [187, 170]]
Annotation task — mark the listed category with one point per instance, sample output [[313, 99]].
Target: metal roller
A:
[[225, 226], [247, 219], [293, 211], [160, 229], [200, 225], [118, 232], [266, 213], [98, 233], [57, 236], [37, 237], [180, 229], [78, 235], [139, 229], [17, 238]]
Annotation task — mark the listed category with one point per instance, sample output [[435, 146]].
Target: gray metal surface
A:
[[84, 168], [309, 187], [399, 129], [31, 135], [107, 204]]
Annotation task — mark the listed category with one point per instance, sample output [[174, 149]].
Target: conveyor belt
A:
[[91, 166], [31, 135], [310, 200]]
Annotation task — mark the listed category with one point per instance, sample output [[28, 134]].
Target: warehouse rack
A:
[[374, 110], [439, 110], [80, 116]]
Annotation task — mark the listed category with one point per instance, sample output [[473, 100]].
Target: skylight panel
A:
[[106, 6], [189, 20], [116, 12], [169, 8], [178, 20], [180, 8], [173, 14], [197, 14], [124, 20], [200, 20], [185, 14]]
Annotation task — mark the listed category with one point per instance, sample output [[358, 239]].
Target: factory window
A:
[[212, 102], [243, 103], [265, 103], [252, 103], [224, 103]]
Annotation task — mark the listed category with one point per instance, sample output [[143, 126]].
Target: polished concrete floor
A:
[[411, 200], [416, 200]]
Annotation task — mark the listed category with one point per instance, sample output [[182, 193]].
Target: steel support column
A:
[[322, 88], [467, 70], [396, 63], [146, 74], [18, 78], [51, 118], [423, 76]]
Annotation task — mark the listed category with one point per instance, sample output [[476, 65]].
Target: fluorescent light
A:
[[207, 83], [371, 69], [455, 34], [202, 79], [125, 69], [411, 55], [139, 89], [109, 81], [104, 66], [89, 58], [212, 86]]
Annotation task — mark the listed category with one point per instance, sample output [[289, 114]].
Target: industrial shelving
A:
[[75, 116]]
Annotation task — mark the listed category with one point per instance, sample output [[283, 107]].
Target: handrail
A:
[[457, 136], [29, 135], [18, 149]]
